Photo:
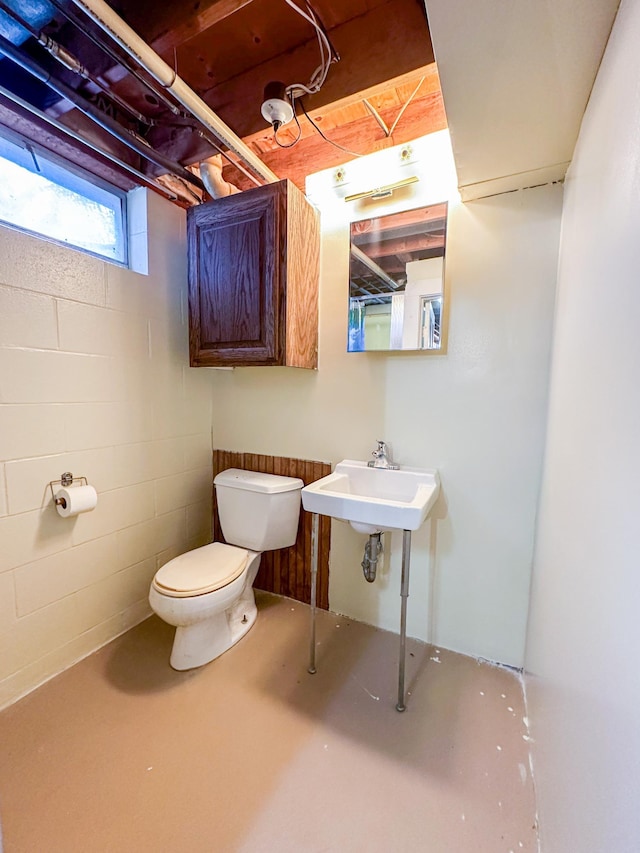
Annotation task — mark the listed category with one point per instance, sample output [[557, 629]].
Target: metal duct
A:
[[147, 58], [98, 116], [144, 179], [64, 56]]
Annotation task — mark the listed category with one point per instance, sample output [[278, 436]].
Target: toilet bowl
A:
[[209, 611], [207, 593]]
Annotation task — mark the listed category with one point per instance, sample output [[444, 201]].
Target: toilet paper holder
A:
[[66, 479]]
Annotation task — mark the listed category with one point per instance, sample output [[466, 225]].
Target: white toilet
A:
[[208, 593]]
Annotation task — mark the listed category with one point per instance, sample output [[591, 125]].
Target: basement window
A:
[[47, 197]]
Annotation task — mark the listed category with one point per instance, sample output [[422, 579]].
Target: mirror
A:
[[396, 280]]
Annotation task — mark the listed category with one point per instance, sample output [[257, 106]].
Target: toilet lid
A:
[[201, 570]]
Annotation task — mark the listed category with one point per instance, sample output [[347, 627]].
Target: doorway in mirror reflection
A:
[[396, 280]]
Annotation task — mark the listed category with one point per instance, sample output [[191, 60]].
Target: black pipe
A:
[[78, 137], [119, 60], [68, 60], [102, 119]]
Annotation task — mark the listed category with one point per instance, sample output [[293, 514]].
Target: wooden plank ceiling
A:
[[227, 51]]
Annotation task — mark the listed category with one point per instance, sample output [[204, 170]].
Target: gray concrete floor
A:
[[251, 753]]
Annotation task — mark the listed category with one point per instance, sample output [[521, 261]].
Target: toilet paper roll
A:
[[76, 499]]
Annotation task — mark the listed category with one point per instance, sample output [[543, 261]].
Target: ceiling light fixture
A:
[[276, 108]]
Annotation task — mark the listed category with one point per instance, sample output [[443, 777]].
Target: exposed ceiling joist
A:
[[176, 27], [385, 43], [227, 51], [403, 245], [388, 98], [382, 45], [423, 216], [352, 127], [55, 141]]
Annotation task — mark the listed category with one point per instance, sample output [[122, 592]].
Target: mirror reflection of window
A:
[[431, 315], [397, 262]]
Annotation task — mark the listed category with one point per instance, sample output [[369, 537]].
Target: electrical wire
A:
[[327, 53], [326, 138], [409, 99], [388, 131], [374, 112], [297, 139], [323, 42]]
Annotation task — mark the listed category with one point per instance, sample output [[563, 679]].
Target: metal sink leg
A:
[[314, 586], [404, 594]]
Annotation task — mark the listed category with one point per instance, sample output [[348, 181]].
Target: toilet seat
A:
[[201, 571]]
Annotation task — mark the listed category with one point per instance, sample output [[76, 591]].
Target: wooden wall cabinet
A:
[[254, 263]]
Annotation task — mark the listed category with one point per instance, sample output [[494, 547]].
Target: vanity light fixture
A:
[[383, 192]]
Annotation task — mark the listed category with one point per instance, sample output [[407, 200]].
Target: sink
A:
[[374, 499]]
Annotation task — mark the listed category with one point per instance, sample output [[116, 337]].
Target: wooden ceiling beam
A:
[[352, 108], [419, 215], [166, 25], [388, 42], [313, 154], [32, 128], [406, 244], [180, 28]]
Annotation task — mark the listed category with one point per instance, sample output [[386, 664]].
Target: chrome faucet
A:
[[382, 458]]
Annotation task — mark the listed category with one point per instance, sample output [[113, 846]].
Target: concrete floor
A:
[[250, 753]]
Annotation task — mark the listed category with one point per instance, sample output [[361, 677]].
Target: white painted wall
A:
[[584, 631], [476, 413], [94, 379]]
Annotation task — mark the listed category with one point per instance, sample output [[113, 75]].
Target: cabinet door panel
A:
[[234, 296], [232, 300]]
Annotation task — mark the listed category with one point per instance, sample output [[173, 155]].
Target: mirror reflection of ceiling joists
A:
[[373, 267]]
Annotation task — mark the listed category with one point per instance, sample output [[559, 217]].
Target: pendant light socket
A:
[[276, 108]]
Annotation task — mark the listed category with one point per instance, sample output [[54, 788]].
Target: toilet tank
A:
[[258, 511]]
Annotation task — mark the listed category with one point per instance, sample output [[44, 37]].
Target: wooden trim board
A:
[[288, 571]]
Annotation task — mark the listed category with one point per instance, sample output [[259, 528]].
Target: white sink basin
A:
[[374, 498]]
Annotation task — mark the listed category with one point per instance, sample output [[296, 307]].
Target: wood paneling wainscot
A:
[[254, 267], [288, 571]]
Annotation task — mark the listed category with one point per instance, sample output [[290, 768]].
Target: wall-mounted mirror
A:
[[396, 280]]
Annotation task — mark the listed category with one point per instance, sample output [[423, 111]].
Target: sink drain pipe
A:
[[372, 551]]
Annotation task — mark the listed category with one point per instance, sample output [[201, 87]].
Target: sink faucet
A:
[[382, 458]]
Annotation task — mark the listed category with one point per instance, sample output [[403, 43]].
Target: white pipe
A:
[[130, 41], [211, 174]]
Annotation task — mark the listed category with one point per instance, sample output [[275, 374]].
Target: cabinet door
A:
[[235, 280]]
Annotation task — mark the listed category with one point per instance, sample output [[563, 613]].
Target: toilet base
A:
[[195, 645], [208, 625]]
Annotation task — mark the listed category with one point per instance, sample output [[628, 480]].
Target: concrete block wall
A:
[[94, 379]]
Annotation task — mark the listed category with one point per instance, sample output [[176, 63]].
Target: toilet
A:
[[207, 593]]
